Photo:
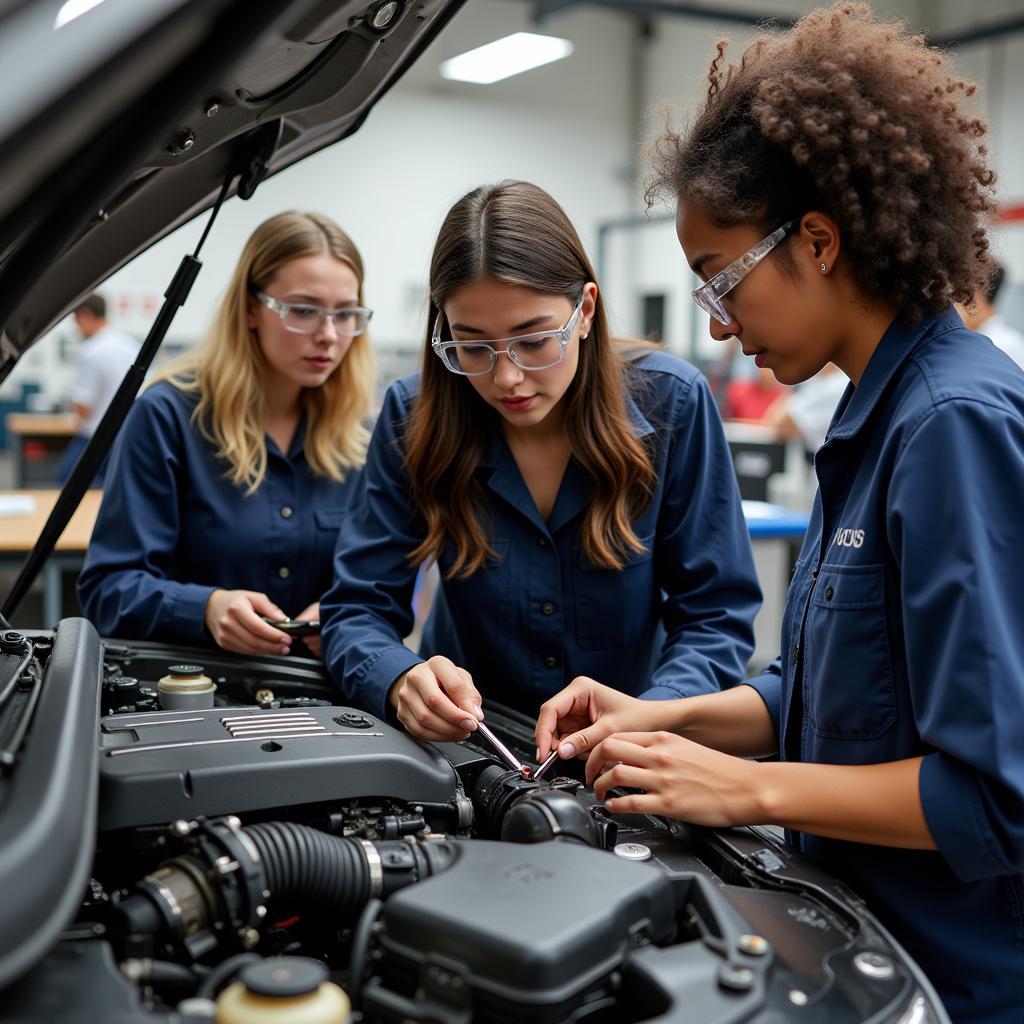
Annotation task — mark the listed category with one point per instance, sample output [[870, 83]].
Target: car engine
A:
[[203, 836]]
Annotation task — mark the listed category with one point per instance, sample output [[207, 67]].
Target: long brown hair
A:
[[227, 371], [515, 233]]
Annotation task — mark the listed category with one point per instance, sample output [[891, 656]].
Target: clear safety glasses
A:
[[709, 295], [536, 351], [303, 318]]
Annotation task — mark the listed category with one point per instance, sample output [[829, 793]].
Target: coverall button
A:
[[550, 661], [547, 608], [284, 572], [287, 511], [828, 593]]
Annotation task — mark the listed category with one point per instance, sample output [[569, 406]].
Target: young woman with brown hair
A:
[[231, 476], [576, 493], [833, 196]]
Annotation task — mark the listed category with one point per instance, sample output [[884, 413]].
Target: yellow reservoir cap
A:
[[283, 990], [186, 688]]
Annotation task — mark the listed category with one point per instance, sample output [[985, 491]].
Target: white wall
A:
[[572, 127], [565, 127]]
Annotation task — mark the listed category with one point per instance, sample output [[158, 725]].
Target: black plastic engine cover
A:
[[157, 767], [526, 925]]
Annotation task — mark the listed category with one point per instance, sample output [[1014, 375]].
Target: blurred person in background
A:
[[753, 399], [981, 316], [234, 469], [807, 410], [104, 358]]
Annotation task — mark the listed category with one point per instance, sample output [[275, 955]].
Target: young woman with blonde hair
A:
[[233, 471], [576, 493]]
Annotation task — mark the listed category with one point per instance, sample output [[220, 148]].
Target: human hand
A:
[[586, 711], [679, 778], [437, 701], [306, 615], [233, 619]]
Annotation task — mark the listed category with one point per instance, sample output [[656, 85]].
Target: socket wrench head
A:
[[506, 755], [548, 762]]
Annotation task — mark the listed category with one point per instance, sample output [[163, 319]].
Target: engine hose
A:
[[210, 987], [189, 902], [313, 867]]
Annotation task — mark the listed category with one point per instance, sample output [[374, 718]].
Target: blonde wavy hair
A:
[[227, 370]]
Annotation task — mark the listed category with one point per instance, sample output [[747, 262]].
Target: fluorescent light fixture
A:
[[74, 9], [503, 58]]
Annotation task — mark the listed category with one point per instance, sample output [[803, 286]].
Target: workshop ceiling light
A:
[[73, 9], [503, 58]]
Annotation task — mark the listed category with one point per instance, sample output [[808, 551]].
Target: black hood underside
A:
[[123, 124]]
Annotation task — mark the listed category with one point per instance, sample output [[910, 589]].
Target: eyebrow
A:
[[303, 297], [537, 320]]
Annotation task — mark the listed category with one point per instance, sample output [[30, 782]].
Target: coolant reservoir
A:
[[283, 990], [186, 688]]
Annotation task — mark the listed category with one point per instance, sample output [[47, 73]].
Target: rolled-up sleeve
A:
[[124, 586], [705, 563], [769, 686], [958, 538], [368, 609]]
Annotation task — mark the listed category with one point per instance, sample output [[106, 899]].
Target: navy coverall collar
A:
[[576, 488], [297, 446], [898, 342]]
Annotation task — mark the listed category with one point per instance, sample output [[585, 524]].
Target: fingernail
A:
[[567, 750], [468, 724], [479, 712], [536, 755]]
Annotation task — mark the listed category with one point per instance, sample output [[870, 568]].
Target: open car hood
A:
[[122, 119]]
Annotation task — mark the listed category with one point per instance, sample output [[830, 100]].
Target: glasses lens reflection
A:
[[307, 320]]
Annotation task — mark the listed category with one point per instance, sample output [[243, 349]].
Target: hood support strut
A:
[[249, 165]]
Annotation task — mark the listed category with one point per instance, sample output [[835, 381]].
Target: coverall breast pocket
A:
[[614, 606], [847, 662], [328, 523]]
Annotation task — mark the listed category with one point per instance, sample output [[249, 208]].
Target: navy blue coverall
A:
[[677, 620], [172, 528], [903, 636]]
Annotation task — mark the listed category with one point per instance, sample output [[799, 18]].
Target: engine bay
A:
[[259, 843]]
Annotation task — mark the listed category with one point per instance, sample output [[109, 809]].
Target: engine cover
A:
[[512, 933], [156, 767]]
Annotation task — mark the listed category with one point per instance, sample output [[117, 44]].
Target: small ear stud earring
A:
[[824, 267]]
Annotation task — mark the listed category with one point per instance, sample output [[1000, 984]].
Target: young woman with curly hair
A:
[[575, 492], [230, 479], [832, 194]]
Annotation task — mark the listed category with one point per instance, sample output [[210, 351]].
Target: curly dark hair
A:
[[851, 115]]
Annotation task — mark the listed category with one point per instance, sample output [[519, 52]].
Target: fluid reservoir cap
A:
[[12, 642], [633, 851], [185, 671], [283, 977]]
